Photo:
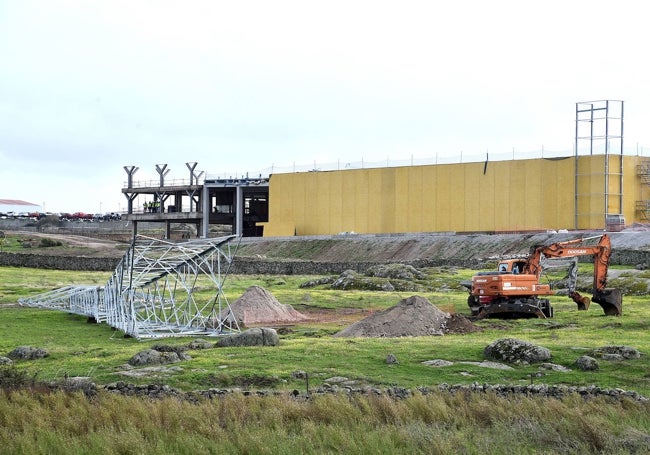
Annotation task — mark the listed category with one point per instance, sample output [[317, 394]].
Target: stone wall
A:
[[257, 266], [40, 261]]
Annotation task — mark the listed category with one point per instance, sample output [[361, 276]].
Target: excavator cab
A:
[[515, 266]]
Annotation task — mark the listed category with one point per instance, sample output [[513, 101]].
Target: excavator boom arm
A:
[[609, 299]]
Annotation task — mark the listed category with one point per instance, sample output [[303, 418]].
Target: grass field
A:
[[440, 423], [80, 349]]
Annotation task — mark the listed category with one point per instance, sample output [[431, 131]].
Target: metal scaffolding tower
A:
[[151, 293], [599, 130], [643, 204]]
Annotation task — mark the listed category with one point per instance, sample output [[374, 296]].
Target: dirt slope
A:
[[629, 248]]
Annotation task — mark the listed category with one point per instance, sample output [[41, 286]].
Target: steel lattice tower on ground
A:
[[151, 293]]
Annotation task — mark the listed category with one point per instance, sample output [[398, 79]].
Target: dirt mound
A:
[[457, 323], [413, 316], [259, 306]]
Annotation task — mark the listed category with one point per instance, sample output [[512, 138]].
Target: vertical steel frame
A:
[[599, 130]]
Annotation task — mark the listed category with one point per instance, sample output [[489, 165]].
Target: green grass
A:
[[18, 282], [80, 349]]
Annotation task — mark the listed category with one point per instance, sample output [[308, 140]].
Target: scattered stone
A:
[[516, 351], [261, 336], [554, 367], [5, 361], [488, 364], [391, 359], [200, 343], [28, 353], [612, 357], [350, 279], [259, 306], [397, 271], [79, 384], [180, 350], [299, 374], [586, 363], [413, 316], [318, 282], [626, 352], [153, 371], [437, 363], [336, 380]]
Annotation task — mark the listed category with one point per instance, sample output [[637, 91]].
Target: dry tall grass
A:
[[440, 423]]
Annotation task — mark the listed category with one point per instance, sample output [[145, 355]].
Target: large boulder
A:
[[5, 361], [154, 357], [260, 336], [28, 353], [516, 351], [587, 363]]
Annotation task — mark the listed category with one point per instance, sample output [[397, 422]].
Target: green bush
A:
[[47, 243]]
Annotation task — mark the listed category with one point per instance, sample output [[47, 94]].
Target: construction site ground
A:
[[631, 247]]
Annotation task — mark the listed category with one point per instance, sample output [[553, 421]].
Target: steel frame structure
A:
[[151, 292], [599, 130]]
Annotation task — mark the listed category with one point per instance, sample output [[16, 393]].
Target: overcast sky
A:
[[87, 87]]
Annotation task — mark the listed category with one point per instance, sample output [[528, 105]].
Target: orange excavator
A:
[[514, 289]]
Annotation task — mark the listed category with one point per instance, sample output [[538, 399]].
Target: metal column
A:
[[239, 211]]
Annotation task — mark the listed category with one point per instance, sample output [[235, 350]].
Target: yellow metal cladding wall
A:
[[471, 197]]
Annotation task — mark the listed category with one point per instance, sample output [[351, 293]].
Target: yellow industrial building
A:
[[579, 192]]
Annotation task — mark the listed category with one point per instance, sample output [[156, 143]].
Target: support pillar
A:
[[162, 172], [205, 223], [130, 171], [239, 211]]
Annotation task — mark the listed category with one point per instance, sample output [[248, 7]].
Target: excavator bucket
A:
[[582, 301], [611, 300]]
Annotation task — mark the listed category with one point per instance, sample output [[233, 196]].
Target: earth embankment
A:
[[358, 252], [335, 254]]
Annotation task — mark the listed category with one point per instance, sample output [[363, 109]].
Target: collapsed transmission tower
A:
[[151, 293]]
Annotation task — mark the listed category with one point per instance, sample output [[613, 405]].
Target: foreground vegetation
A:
[[434, 424]]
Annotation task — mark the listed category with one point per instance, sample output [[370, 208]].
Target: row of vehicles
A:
[[76, 216]]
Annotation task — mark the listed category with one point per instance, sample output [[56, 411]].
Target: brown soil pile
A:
[[457, 323], [259, 306], [413, 316]]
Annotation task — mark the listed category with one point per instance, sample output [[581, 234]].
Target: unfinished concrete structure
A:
[[200, 201]]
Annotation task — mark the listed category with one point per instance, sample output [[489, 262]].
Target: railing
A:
[[388, 162], [156, 183]]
